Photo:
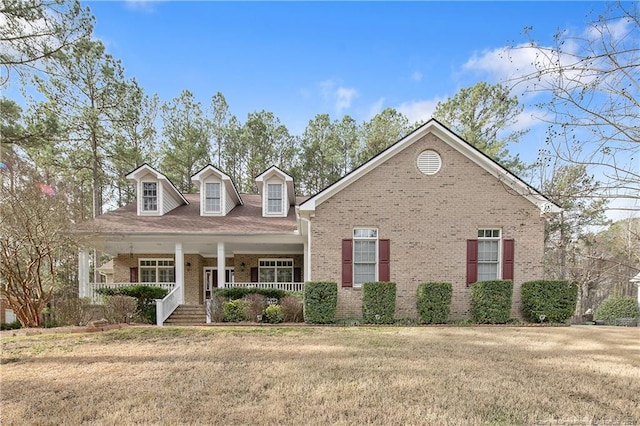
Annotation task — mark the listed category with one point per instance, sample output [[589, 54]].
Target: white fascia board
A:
[[135, 176], [433, 126]]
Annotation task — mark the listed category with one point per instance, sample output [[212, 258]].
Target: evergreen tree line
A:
[[85, 124]]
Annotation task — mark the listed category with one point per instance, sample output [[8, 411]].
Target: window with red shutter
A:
[[472, 261], [384, 260], [347, 263], [508, 247]]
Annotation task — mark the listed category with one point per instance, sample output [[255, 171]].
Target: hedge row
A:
[[234, 293], [378, 302], [145, 296], [320, 302], [433, 302], [548, 301], [551, 301]]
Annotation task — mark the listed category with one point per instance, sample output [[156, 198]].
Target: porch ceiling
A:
[[207, 246]]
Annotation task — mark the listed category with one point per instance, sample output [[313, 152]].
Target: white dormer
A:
[[155, 194], [276, 188], [218, 194]]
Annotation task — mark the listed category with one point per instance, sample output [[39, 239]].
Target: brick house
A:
[[431, 207]]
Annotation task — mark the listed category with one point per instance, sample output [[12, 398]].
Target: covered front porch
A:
[[191, 267]]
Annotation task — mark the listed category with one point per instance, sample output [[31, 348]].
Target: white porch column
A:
[[307, 250], [307, 261], [83, 273], [179, 265], [221, 265]]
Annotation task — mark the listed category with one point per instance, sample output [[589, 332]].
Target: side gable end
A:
[[447, 136]]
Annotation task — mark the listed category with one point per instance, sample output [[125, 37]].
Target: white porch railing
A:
[[166, 306], [278, 286], [97, 299]]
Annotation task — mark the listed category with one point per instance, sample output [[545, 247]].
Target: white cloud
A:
[[341, 97], [142, 5], [375, 109], [416, 76], [344, 96], [419, 110], [616, 30]]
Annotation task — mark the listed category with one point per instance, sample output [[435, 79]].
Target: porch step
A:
[[187, 315]]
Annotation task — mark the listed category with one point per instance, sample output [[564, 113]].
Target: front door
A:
[[210, 282]]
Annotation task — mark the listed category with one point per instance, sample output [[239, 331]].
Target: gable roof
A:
[[275, 170], [144, 169], [545, 205], [208, 170]]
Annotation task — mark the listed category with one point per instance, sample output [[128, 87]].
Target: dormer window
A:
[[274, 198], [218, 194], [149, 196], [212, 197]]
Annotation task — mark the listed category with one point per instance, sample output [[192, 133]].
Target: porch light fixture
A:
[[242, 266]]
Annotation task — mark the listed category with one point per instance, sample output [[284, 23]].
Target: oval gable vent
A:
[[429, 162]]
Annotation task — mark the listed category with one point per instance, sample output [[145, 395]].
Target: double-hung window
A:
[[365, 255], [149, 196], [157, 271], [489, 254], [274, 198], [275, 270], [212, 200]]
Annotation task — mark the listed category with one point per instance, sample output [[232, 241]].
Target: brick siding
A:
[[428, 220], [194, 274]]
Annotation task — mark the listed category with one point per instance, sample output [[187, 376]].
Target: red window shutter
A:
[[347, 263], [472, 261], [507, 259], [133, 274], [384, 257], [254, 275], [297, 275]]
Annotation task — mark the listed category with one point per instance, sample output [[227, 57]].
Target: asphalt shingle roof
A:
[[242, 219]]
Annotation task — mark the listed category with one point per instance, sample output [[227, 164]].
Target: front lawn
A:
[[330, 375]]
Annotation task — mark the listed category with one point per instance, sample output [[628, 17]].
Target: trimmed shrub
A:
[[72, 310], [235, 310], [273, 314], [550, 301], [120, 309], [292, 308], [233, 293], [617, 307], [146, 296], [434, 300], [10, 325], [257, 304], [215, 308], [491, 301], [320, 302], [378, 302]]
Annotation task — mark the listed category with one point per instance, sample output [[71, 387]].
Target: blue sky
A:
[[299, 59]]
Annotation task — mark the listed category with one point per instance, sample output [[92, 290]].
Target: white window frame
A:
[[275, 268], [373, 236], [165, 265], [143, 197], [491, 235], [220, 198], [280, 210]]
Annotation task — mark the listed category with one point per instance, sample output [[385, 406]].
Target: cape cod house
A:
[[431, 207]]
